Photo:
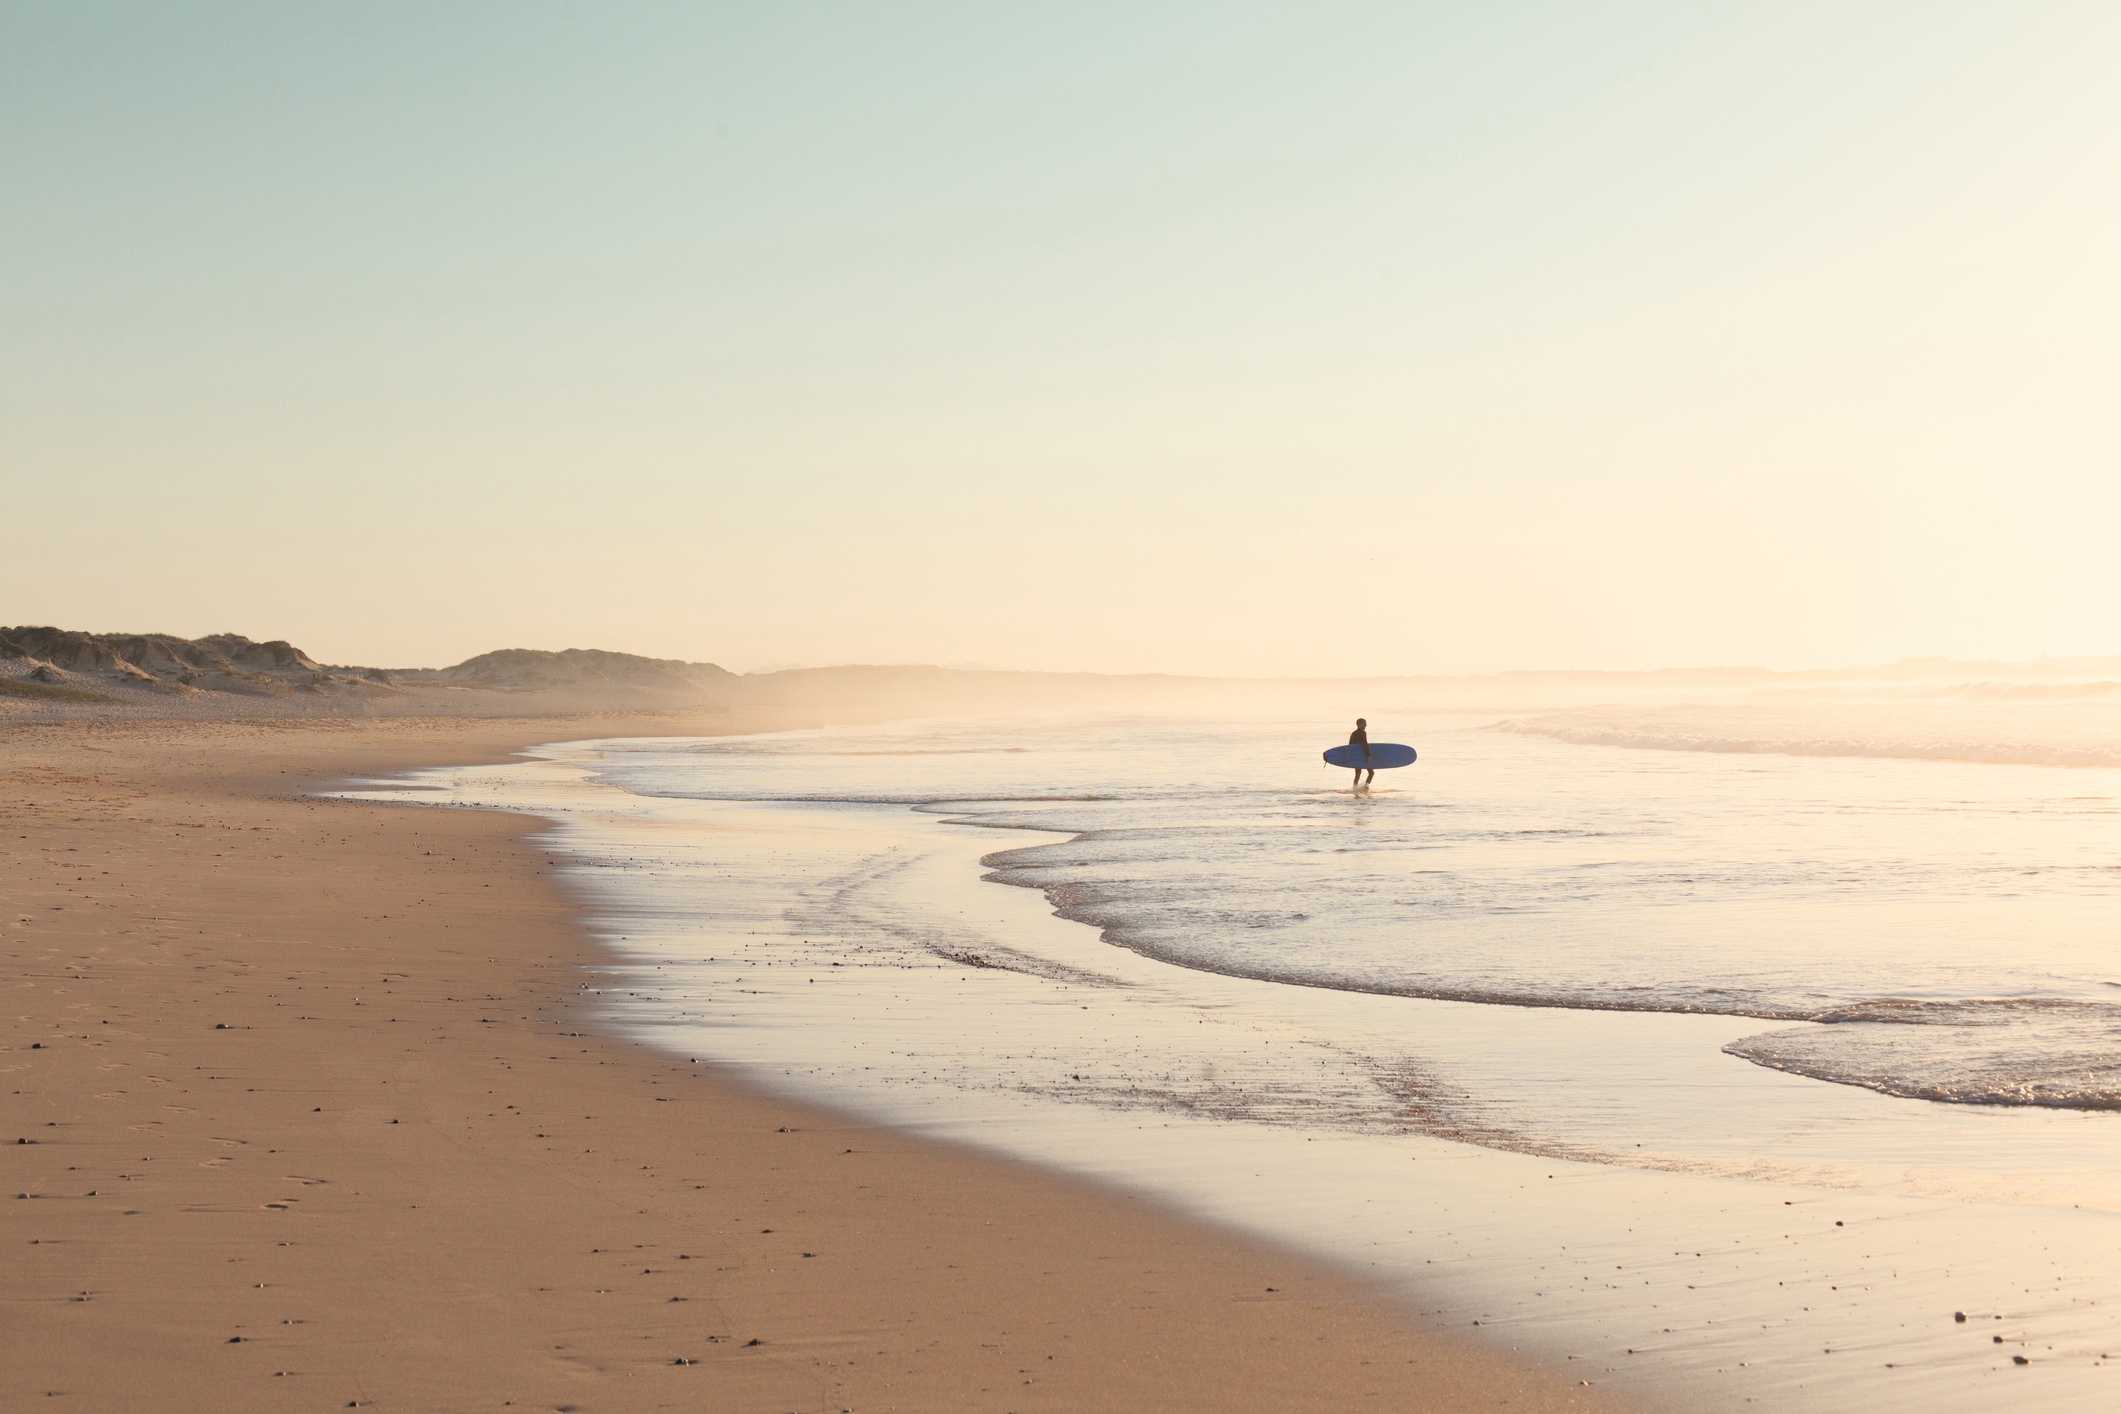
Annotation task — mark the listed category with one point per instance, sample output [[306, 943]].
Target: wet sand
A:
[[314, 1119]]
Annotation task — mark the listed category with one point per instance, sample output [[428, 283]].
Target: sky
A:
[[1231, 338]]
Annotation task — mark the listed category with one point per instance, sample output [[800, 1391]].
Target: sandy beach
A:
[[306, 1115], [1051, 708]]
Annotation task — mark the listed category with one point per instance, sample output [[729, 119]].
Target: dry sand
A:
[[313, 1121]]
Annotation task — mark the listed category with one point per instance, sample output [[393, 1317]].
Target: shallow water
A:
[[1261, 1023], [1511, 869]]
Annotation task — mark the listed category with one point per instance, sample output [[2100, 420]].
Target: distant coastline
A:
[[53, 674]]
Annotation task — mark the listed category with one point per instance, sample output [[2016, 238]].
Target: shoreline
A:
[[301, 1132], [848, 953]]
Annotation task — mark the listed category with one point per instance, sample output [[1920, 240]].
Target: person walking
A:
[[1361, 737]]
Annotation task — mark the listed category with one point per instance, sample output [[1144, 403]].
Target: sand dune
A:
[[49, 674]]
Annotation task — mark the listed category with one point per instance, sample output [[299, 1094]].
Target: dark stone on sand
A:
[[220, 1026], [36, 1045], [753, 1341], [1959, 1316], [235, 1340], [2020, 1360]]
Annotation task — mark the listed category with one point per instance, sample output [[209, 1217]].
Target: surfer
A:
[[1361, 737]]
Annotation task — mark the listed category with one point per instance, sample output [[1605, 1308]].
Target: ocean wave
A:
[[2078, 742], [2051, 1052], [1983, 691]]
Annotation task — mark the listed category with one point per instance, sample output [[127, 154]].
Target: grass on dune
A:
[[16, 687]]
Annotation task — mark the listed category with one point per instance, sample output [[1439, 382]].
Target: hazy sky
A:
[[1244, 338]]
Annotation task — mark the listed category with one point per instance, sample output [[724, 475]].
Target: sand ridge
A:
[[311, 1116]]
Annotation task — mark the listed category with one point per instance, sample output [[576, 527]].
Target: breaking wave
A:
[[2023, 1051]]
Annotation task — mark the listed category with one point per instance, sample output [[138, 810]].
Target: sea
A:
[[1755, 1055]]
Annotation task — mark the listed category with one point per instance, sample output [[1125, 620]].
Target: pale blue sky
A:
[[1216, 338]]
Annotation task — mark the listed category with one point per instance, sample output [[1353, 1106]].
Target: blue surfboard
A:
[[1384, 755]]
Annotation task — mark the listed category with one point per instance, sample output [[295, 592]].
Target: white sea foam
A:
[[2016, 1051]]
